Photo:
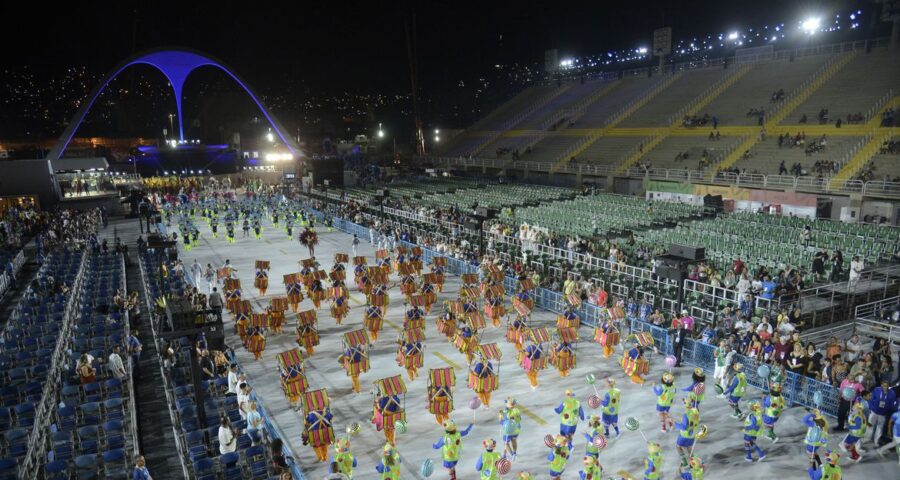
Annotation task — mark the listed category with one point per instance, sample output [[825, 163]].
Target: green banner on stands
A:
[[671, 187]]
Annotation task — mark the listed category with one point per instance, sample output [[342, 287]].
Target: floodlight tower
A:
[[890, 12], [662, 45]]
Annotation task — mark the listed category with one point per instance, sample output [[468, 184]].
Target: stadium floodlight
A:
[[733, 36], [811, 25], [270, 137], [642, 50], [437, 139], [436, 131]]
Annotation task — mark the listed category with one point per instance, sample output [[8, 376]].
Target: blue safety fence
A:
[[798, 389]]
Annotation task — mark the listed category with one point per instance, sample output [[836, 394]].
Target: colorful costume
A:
[[857, 426], [570, 412], [610, 404], [687, 431], [487, 462], [559, 456], [450, 444], [695, 469], [828, 471], [319, 432], [665, 394], [634, 364], [511, 425], [592, 469], [595, 429], [735, 392], [653, 463], [816, 436], [774, 405], [752, 427], [389, 466], [697, 389]]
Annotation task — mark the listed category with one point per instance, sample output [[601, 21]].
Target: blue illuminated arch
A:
[[176, 65]]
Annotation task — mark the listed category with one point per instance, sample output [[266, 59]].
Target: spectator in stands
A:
[[115, 364], [140, 471], [86, 372], [279, 462], [856, 268], [837, 265], [227, 439], [254, 423], [234, 379], [243, 399], [207, 366]]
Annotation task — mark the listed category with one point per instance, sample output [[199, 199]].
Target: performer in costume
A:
[[608, 327], [610, 406], [487, 462], [385, 406], [495, 309], [694, 470], [483, 369], [214, 226], [630, 364], [465, 340], [828, 471], [592, 469], [257, 229], [752, 426], [737, 389], [774, 405], [354, 354], [317, 425], [246, 227], [559, 456], [565, 358], [698, 383], [687, 431], [229, 231], [570, 412], [450, 445], [857, 427], [316, 293], [411, 358], [515, 331], [665, 394], [373, 321], [339, 308], [511, 425], [595, 429], [389, 466], [262, 280], [256, 343], [440, 402], [534, 353], [429, 296], [653, 462], [816, 436]]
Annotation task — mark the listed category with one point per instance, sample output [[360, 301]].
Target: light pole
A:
[[171, 123]]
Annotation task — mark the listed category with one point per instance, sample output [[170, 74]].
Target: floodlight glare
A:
[[733, 36], [811, 25], [642, 50], [270, 137]]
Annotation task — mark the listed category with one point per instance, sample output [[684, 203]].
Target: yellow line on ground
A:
[[446, 360], [540, 421], [396, 327], [358, 301]]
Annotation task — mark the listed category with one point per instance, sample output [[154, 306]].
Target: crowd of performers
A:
[[462, 321]]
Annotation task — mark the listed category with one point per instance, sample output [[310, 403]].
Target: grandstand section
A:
[[689, 152], [671, 100]]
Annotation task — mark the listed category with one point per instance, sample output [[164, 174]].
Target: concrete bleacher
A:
[[854, 89], [754, 90], [628, 90], [557, 106], [609, 150], [517, 105], [663, 155], [463, 145], [667, 103], [512, 143], [885, 166], [767, 156], [549, 149]]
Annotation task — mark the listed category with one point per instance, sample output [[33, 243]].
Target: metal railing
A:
[[873, 188]]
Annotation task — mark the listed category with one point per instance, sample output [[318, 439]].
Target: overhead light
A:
[[270, 137], [811, 25], [279, 157], [733, 36], [642, 50]]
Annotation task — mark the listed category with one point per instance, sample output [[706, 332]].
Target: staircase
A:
[[859, 159], [575, 113], [808, 88], [704, 99], [797, 97], [616, 119], [518, 118], [157, 440], [639, 153]]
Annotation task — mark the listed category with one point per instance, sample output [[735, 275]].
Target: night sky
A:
[[360, 46]]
